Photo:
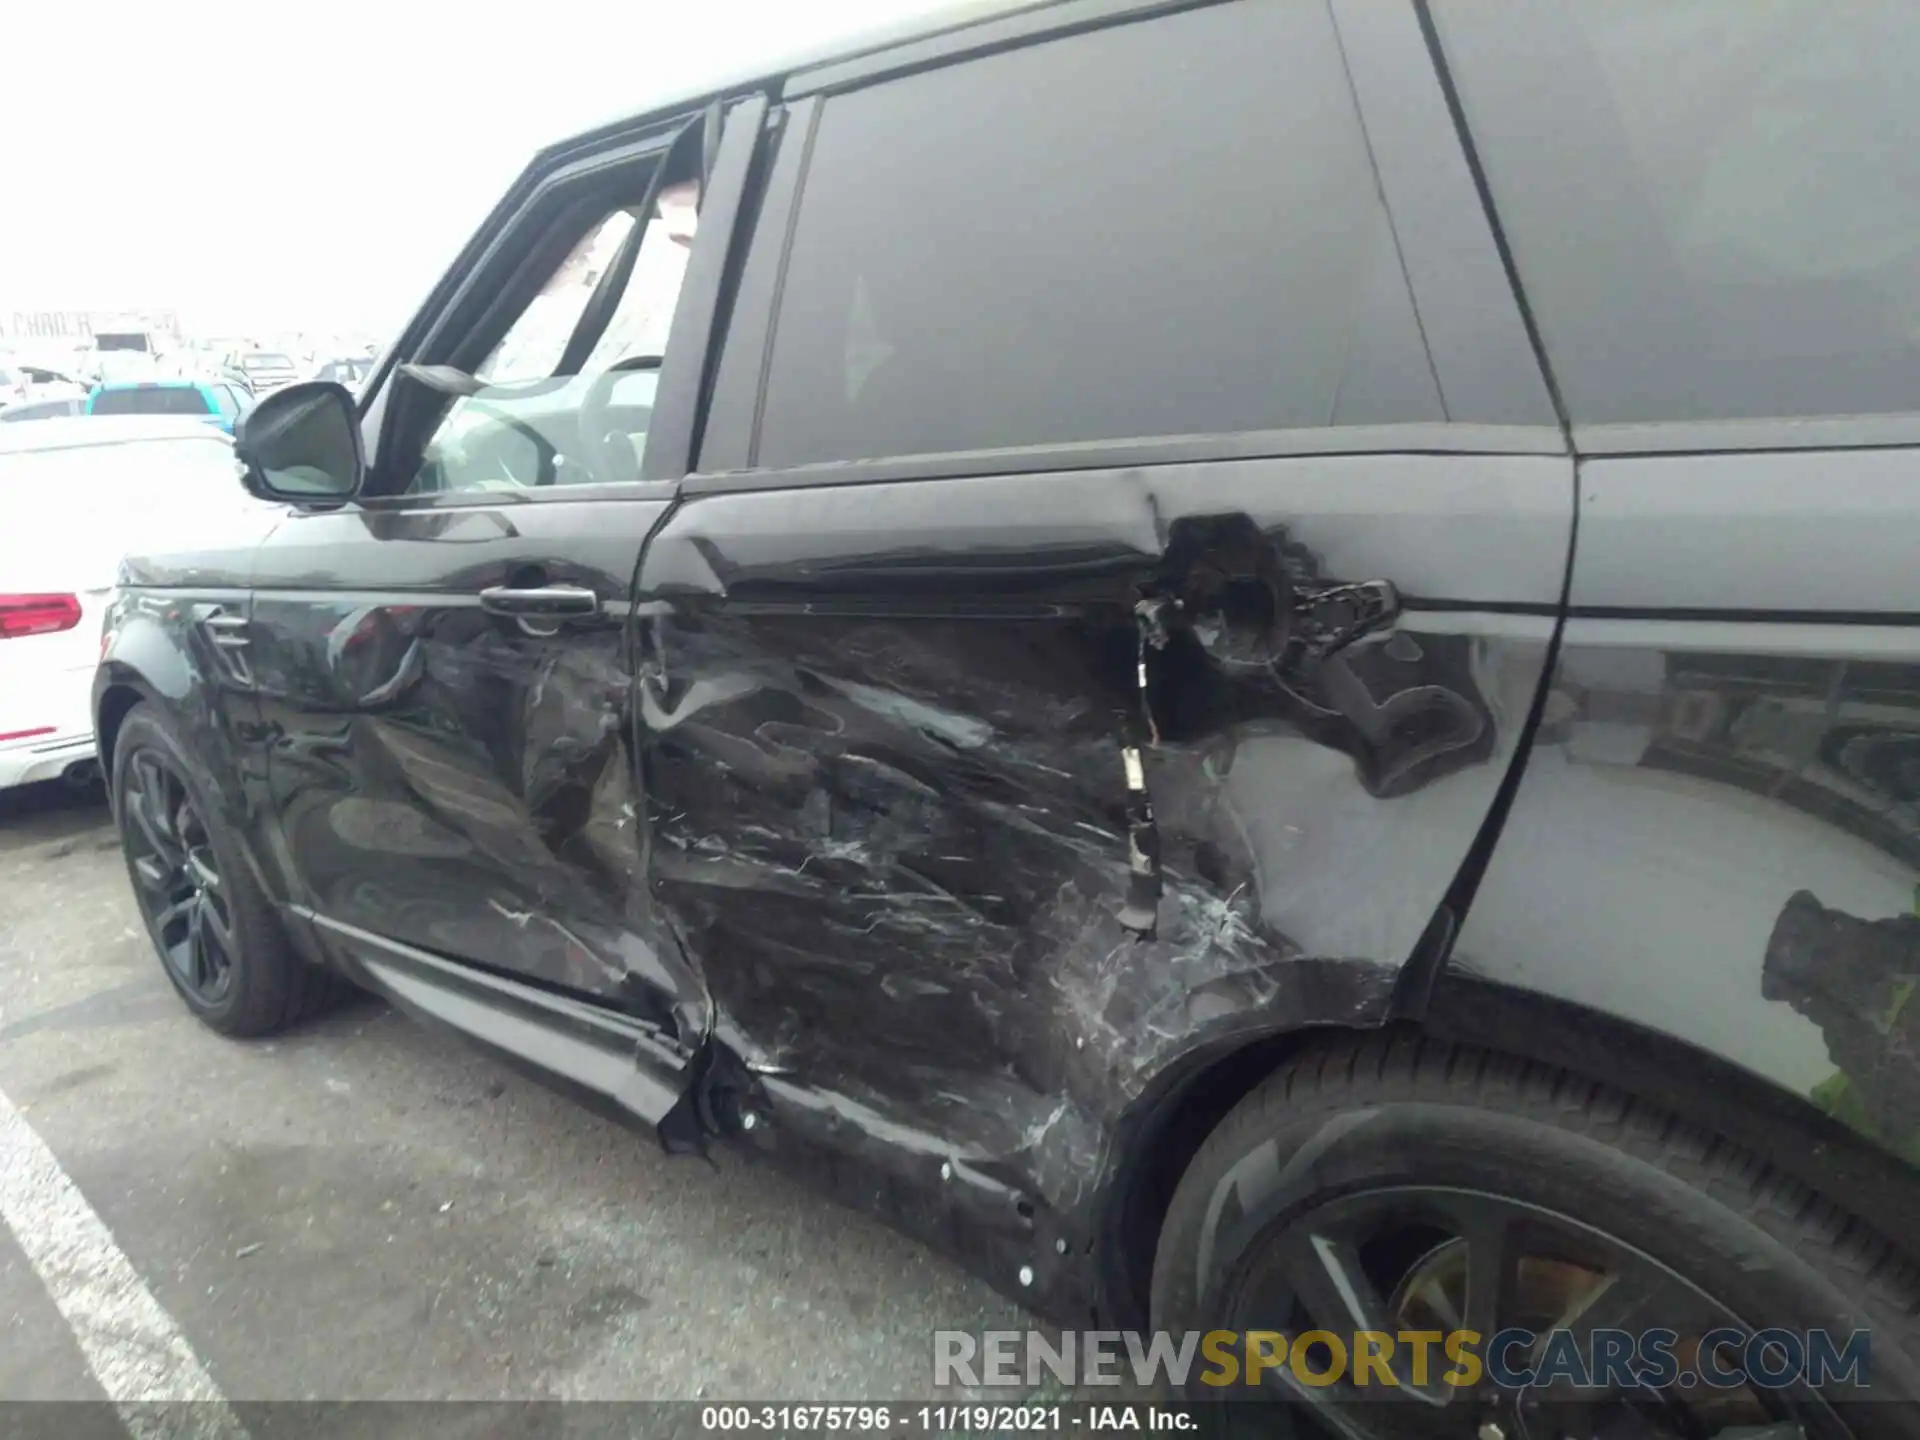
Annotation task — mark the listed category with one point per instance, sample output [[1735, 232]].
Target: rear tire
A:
[[215, 932], [1351, 1140]]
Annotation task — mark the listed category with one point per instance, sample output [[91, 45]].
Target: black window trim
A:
[[1471, 313], [1051, 20], [512, 269], [505, 499], [691, 337], [1689, 437], [1414, 438], [496, 283], [730, 438]]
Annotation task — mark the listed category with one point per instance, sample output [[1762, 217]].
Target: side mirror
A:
[[302, 445]]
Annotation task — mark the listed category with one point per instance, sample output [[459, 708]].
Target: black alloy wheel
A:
[[1436, 1261], [1655, 1281], [177, 878], [218, 935]]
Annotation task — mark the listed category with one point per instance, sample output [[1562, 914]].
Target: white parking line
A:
[[132, 1346]]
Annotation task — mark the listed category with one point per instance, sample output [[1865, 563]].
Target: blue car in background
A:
[[220, 401]]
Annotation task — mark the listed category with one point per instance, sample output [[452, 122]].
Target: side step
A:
[[612, 1063]]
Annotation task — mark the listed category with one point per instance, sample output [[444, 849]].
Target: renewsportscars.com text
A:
[[1511, 1359]]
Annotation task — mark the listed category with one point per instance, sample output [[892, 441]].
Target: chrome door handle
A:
[[539, 600]]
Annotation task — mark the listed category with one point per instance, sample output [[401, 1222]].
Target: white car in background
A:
[[25, 382], [75, 495]]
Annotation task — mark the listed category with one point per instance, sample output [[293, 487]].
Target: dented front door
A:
[[446, 692], [981, 801]]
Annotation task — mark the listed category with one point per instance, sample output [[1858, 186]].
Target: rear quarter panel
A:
[[1717, 840]]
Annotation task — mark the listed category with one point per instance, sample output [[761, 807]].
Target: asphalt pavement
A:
[[363, 1209]]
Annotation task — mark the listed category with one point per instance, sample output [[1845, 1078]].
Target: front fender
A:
[[148, 654], [158, 651]]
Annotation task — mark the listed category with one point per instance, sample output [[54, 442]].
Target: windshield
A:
[[151, 400]]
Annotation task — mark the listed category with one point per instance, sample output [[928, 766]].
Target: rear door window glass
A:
[[1168, 227], [1714, 205]]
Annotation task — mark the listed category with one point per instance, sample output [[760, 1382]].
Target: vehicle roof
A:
[[701, 82], [159, 382], [68, 432]]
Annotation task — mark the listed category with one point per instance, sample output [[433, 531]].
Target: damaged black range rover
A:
[[1256, 664]]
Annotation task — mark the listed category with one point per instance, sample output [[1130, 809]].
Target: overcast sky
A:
[[260, 166]]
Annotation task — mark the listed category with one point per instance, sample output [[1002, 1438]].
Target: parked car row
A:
[[144, 388], [220, 402], [22, 382], [252, 371]]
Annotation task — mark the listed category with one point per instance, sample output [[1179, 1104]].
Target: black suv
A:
[[1255, 664]]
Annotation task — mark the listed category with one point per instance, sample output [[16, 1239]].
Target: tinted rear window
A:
[[151, 400], [40, 410], [1167, 227], [1714, 205]]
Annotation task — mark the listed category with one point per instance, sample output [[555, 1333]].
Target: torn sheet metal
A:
[[985, 806]]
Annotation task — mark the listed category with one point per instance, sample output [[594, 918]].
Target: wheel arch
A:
[[1157, 1142], [143, 668], [1784, 1128], [117, 692], [141, 661]]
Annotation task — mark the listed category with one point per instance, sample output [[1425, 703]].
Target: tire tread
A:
[[1857, 1258]]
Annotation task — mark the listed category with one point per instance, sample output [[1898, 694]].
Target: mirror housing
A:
[[301, 445]]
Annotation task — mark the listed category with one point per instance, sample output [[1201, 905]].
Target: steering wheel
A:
[[610, 452], [547, 462]]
